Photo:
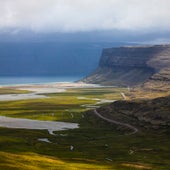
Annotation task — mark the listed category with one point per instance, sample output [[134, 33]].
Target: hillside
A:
[[152, 114], [133, 65], [146, 72]]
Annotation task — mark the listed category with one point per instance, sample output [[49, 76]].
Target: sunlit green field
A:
[[5, 90], [65, 106], [97, 144]]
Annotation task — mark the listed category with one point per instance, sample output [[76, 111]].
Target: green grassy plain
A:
[[11, 90], [97, 144], [65, 106]]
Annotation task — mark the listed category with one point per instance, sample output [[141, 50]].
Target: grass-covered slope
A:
[[146, 114], [97, 144]]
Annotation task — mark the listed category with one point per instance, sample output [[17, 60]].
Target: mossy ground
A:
[[97, 144]]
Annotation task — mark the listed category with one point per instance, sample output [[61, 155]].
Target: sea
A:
[[17, 80]]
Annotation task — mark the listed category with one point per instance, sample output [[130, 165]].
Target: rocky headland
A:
[[145, 70], [132, 65]]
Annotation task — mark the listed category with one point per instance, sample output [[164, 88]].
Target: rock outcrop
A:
[[132, 65]]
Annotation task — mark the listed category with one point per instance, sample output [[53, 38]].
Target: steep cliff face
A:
[[132, 65]]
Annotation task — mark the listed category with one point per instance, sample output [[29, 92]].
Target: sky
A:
[[96, 23], [67, 16]]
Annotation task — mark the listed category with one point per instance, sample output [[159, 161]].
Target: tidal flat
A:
[[96, 144]]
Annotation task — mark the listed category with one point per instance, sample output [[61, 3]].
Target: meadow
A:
[[95, 145]]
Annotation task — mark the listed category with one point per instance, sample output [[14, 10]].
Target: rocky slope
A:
[[146, 69], [152, 114], [133, 65]]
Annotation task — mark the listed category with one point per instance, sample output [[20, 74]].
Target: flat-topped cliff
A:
[[132, 65], [146, 70]]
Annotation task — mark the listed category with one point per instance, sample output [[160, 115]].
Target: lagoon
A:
[[20, 123]]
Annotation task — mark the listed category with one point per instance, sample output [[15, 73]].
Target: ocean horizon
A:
[[17, 80]]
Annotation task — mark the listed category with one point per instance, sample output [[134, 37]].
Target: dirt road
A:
[[135, 130]]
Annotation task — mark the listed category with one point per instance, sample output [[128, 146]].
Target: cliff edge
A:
[[133, 65]]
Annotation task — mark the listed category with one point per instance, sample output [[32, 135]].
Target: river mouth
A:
[[51, 126]]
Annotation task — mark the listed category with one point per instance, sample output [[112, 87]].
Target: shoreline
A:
[[52, 84], [36, 80]]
